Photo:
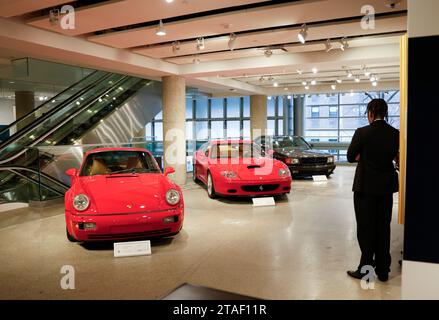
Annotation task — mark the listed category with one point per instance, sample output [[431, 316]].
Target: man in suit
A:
[[375, 148]]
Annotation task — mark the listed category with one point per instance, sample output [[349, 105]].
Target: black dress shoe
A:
[[356, 274], [383, 277]]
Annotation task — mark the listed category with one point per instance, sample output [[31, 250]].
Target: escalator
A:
[[60, 121]]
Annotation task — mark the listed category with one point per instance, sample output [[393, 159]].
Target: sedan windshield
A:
[[235, 150], [290, 142], [113, 162]]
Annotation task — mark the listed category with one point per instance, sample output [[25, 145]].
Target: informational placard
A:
[[263, 202], [132, 249], [319, 178]]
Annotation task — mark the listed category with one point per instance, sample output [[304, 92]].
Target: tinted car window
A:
[[290, 142], [111, 162]]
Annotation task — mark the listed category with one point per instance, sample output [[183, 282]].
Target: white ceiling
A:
[[108, 36]]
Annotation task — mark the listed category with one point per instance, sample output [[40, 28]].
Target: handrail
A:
[[38, 121], [45, 176], [60, 124]]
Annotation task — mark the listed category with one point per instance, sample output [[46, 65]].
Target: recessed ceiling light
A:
[[314, 70], [275, 84], [160, 29], [169, 1], [303, 33]]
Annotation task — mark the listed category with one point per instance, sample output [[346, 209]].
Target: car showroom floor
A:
[[299, 249]]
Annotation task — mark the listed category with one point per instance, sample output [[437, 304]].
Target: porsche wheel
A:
[[210, 187], [70, 237]]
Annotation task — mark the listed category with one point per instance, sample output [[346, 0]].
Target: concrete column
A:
[[24, 103], [174, 130], [299, 116], [258, 115]]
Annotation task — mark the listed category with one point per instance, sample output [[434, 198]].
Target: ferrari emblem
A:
[[261, 188]]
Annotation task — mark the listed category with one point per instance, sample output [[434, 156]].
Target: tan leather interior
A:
[[133, 162], [98, 167]]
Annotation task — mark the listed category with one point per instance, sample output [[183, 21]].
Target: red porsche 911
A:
[[239, 168], [120, 193]]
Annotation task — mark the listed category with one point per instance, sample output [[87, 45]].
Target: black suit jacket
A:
[[378, 145]]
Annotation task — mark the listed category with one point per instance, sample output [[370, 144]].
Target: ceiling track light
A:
[[304, 83], [344, 44], [232, 41], [275, 84], [333, 86], [200, 44], [313, 82], [196, 59], [271, 79], [357, 79], [175, 46], [54, 17], [314, 70], [303, 33], [299, 71], [261, 79], [373, 78], [160, 29], [306, 87], [349, 73], [328, 45], [339, 80]]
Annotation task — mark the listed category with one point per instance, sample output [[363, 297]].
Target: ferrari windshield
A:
[[114, 162], [290, 142], [235, 150]]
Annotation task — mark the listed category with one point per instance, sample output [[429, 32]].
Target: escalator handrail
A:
[[42, 105], [62, 122], [36, 182], [45, 176], [48, 114]]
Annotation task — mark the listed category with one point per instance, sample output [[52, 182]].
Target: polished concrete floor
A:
[[299, 249]]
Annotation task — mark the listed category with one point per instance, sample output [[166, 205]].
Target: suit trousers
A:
[[374, 214]]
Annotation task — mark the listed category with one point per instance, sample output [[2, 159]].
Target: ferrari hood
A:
[[126, 193], [300, 153], [252, 169]]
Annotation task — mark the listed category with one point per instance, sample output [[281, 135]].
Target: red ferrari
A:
[[120, 193], [239, 168]]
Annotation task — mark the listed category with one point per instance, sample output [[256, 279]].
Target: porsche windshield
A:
[[114, 162], [235, 150], [290, 142]]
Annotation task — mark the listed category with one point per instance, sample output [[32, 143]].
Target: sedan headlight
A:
[[81, 202], [291, 161], [284, 172], [172, 197], [330, 159], [229, 174]]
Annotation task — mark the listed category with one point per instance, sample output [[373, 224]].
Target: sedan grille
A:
[[260, 187], [314, 160]]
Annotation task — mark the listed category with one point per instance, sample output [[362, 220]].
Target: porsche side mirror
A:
[[72, 172], [169, 170]]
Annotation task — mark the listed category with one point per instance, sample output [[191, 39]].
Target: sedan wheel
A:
[[210, 187]]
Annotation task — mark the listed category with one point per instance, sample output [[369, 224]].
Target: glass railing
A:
[[53, 103], [38, 134]]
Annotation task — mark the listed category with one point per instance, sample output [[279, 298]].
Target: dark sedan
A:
[[300, 157]]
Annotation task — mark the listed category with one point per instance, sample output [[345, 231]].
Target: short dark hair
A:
[[378, 108]]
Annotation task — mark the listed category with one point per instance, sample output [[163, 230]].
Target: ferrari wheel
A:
[[210, 187], [70, 237], [194, 174]]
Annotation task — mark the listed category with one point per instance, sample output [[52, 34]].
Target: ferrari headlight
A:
[[229, 174], [81, 202], [291, 161], [330, 159], [172, 197], [284, 172]]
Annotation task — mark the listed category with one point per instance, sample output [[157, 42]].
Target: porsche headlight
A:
[[330, 159], [172, 197], [284, 172], [81, 202], [229, 174]]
